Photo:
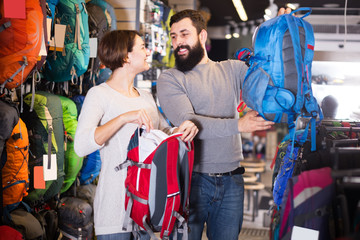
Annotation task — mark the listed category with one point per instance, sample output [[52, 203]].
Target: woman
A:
[[110, 114]]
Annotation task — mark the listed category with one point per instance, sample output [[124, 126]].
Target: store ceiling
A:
[[223, 11]]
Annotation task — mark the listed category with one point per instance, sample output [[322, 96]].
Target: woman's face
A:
[[138, 57]]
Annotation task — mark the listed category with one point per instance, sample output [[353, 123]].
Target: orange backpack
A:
[[15, 172], [20, 41]]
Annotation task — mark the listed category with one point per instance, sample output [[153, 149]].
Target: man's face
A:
[[188, 49]]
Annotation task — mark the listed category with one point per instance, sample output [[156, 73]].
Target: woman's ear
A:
[[127, 59]]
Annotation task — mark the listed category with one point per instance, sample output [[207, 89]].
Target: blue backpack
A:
[[73, 61], [278, 82]]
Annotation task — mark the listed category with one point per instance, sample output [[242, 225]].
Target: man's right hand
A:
[[253, 122]]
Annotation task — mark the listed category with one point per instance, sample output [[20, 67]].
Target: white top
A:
[[102, 104]]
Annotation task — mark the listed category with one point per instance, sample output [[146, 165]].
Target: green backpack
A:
[[73, 162], [73, 61], [46, 131]]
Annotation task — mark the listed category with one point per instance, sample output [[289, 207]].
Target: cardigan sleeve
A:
[[89, 119]]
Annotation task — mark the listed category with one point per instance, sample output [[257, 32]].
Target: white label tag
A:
[[48, 26], [300, 233], [93, 47], [43, 47], [59, 38], [50, 173]]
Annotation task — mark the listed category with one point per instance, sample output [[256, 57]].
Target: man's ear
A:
[[203, 36]]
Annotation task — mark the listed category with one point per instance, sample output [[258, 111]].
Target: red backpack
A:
[[20, 41], [159, 170]]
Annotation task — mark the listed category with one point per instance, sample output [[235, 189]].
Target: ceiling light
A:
[[240, 10], [236, 32], [293, 6], [227, 32]]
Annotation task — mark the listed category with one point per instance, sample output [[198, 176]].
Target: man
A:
[[208, 93]]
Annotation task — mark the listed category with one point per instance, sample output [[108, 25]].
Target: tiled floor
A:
[[259, 229]]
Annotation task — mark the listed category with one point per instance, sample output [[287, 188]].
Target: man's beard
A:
[[195, 54]]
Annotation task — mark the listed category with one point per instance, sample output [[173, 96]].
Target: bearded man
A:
[[208, 93]]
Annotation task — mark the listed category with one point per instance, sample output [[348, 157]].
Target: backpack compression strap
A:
[[129, 207]]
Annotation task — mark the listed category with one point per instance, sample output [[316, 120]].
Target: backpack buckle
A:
[[244, 55]]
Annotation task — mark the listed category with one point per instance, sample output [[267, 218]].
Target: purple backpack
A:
[[307, 203]]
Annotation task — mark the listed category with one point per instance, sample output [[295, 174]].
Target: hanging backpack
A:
[[308, 203], [159, 169], [48, 219], [73, 162], [46, 136], [14, 147], [9, 233], [74, 58], [98, 26], [75, 218], [14, 166], [25, 222], [109, 12], [20, 41], [278, 82]]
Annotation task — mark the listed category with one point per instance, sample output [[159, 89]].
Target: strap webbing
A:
[[77, 38], [136, 198], [148, 229], [12, 76], [34, 81], [129, 162], [127, 214], [182, 223], [5, 26]]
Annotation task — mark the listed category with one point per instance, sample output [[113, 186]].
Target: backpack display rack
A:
[[338, 149], [343, 144]]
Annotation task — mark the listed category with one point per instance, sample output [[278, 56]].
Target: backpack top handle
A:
[[302, 9]]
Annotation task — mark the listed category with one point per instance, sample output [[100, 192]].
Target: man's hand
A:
[[284, 11], [253, 122], [189, 130]]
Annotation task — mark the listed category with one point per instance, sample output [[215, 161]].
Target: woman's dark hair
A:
[[114, 47], [195, 17]]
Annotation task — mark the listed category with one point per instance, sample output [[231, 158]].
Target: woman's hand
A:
[[189, 130], [139, 117]]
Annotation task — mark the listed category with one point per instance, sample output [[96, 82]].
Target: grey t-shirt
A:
[[208, 95]]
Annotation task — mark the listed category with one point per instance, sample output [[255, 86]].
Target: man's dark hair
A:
[[329, 106], [195, 16], [115, 46]]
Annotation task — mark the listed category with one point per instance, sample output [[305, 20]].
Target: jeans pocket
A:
[[238, 179]]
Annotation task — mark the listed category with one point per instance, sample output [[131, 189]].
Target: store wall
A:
[[237, 43]]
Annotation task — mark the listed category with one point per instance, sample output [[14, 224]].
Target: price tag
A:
[[50, 167], [58, 40], [14, 9], [39, 182], [93, 47], [300, 233]]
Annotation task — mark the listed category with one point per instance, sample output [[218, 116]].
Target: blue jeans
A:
[[123, 236], [218, 202]]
